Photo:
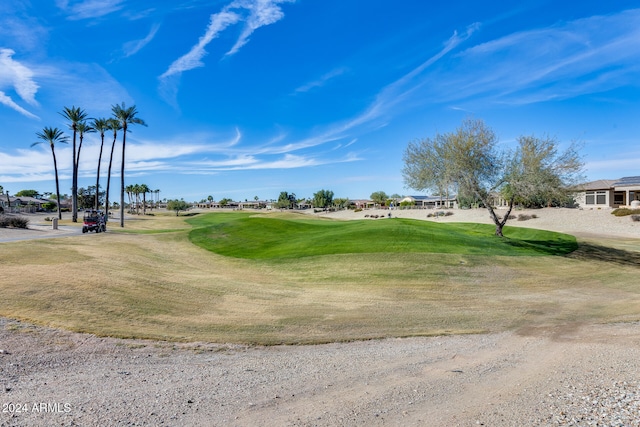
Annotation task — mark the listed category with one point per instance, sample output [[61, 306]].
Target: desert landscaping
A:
[[560, 371]]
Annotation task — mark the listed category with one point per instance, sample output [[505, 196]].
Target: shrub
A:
[[635, 218], [13, 222], [625, 212], [524, 217], [511, 216], [448, 213]]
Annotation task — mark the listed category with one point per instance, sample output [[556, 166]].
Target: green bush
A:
[[625, 212], [13, 222]]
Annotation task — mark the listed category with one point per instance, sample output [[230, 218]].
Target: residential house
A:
[[430, 202], [22, 204], [609, 193]]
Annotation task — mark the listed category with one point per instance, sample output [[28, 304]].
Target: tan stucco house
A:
[[609, 193], [431, 201]]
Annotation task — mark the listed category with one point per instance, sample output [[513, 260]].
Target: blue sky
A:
[[250, 98]]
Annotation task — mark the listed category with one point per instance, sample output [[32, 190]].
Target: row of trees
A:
[[79, 123], [470, 161], [321, 199], [134, 191]]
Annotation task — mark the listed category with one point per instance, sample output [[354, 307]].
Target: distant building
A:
[[22, 204], [431, 202], [609, 193]]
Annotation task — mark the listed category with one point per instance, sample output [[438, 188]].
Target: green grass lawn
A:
[[276, 278], [292, 236]]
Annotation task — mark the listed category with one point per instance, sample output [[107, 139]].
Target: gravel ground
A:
[[578, 375], [574, 375]]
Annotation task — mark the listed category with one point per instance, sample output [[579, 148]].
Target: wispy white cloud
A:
[[322, 80], [6, 100], [394, 94], [14, 74], [193, 59], [386, 103], [254, 14], [87, 84], [261, 13], [24, 33], [134, 46], [87, 9], [584, 56], [205, 154]]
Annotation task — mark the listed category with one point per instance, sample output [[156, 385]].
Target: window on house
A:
[[590, 198], [601, 198], [618, 198]]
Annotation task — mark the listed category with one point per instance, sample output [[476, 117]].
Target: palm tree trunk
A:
[[124, 141], [98, 174], [55, 167], [74, 182], [75, 176], [106, 200]]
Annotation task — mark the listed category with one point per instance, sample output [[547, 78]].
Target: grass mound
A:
[[290, 236]]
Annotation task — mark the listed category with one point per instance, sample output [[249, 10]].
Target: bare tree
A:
[[470, 159]]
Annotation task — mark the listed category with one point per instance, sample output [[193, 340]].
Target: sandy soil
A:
[[587, 222], [578, 374]]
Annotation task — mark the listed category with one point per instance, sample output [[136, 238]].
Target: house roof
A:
[[601, 184], [627, 181], [26, 200], [431, 198]]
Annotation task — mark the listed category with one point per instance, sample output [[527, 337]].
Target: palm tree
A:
[[115, 126], [101, 126], [125, 116], [144, 189], [75, 115], [53, 136], [82, 128], [136, 193], [129, 189]]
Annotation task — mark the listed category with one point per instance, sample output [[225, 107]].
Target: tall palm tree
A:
[[75, 115], [82, 129], [144, 189], [101, 126], [115, 126], [53, 136], [126, 116], [129, 189]]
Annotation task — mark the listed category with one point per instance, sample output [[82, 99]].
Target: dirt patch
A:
[[539, 376]]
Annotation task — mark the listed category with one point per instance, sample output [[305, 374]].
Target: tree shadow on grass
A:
[[546, 247], [592, 252]]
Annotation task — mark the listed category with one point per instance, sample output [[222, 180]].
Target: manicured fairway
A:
[[276, 278], [294, 236]]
